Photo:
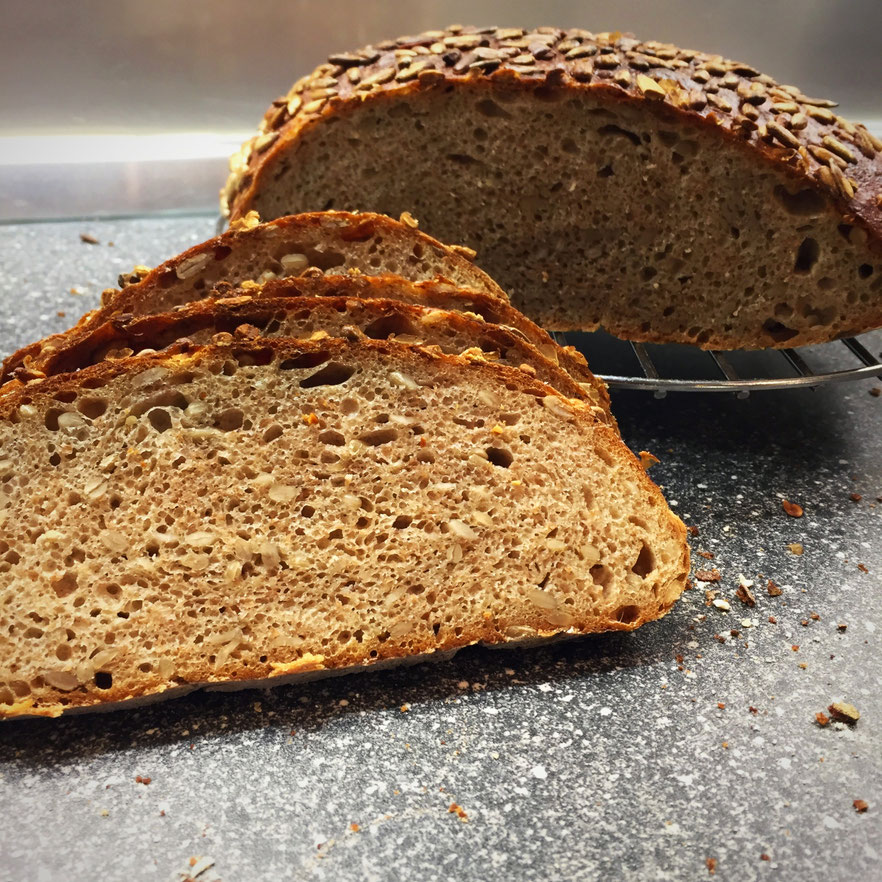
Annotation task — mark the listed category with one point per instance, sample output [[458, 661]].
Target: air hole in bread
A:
[[601, 575], [92, 408], [378, 437], [332, 374], [64, 585], [804, 203], [229, 420], [605, 172], [307, 360], [615, 130], [272, 432], [389, 326], [807, 255], [103, 680], [645, 562], [166, 398], [160, 419], [463, 159], [499, 456], [865, 271], [488, 107], [778, 332], [330, 436], [402, 522], [627, 614]]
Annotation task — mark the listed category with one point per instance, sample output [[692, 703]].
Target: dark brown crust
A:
[[479, 631], [246, 315], [133, 296], [776, 123], [438, 295]]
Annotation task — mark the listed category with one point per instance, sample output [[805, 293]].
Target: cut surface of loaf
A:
[[253, 510], [662, 193], [305, 318], [330, 242]]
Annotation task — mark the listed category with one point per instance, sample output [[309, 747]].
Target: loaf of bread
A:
[[321, 242], [248, 510], [139, 328], [664, 194]]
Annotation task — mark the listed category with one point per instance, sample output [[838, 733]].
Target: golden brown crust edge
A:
[[480, 632]]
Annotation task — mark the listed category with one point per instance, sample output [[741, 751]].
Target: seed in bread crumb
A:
[[860, 806], [822, 719], [792, 508], [711, 864], [772, 589], [843, 712], [88, 239]]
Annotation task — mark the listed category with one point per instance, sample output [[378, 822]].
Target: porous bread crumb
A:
[[318, 584]]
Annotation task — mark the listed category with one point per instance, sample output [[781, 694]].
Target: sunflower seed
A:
[[649, 87], [584, 51], [348, 59], [696, 99], [798, 121], [785, 107], [382, 76], [836, 146], [411, 72], [509, 33], [749, 111], [825, 156], [863, 142], [315, 106], [606, 62], [821, 114], [720, 103], [779, 133]]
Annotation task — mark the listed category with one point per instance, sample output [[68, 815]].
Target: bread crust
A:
[[278, 663]]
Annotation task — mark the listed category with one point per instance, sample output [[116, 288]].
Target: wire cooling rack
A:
[[662, 368]]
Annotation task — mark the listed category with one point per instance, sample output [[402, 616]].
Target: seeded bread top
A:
[[786, 127]]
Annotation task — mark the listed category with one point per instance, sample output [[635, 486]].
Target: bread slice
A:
[[305, 318], [258, 509], [334, 242], [664, 194], [85, 346]]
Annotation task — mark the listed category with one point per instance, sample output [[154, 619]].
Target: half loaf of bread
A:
[[252, 509], [662, 193]]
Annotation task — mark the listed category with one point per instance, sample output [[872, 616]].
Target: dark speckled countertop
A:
[[635, 757]]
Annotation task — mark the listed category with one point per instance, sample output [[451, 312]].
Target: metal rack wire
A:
[[723, 377]]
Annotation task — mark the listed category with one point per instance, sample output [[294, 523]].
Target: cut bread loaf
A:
[[316, 318], [256, 509], [332, 242], [88, 342], [664, 194]]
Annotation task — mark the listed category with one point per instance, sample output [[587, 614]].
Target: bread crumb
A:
[[404, 708], [792, 508], [796, 548], [708, 575], [354, 827], [459, 811], [88, 239], [772, 589], [721, 705], [764, 857], [842, 626], [855, 497], [860, 806], [142, 779], [647, 460], [821, 719], [711, 864], [843, 712], [692, 529], [876, 391]]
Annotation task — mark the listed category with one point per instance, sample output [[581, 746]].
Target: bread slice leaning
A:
[[80, 348], [305, 318], [324, 242], [242, 512], [665, 194]]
